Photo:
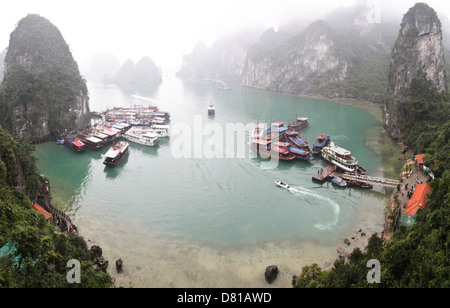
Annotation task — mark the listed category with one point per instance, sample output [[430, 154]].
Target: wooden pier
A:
[[330, 171], [324, 174]]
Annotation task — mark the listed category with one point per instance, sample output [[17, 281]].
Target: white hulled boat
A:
[[141, 136], [340, 157]]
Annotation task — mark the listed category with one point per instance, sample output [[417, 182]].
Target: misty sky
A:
[[164, 29]]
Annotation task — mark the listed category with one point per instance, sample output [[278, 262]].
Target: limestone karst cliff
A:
[[417, 63], [144, 71], [297, 65], [344, 54], [43, 91]]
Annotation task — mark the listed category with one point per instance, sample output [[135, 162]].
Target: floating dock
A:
[[324, 174]]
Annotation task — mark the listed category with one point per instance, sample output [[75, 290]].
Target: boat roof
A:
[[339, 150], [78, 143], [110, 132], [281, 150], [302, 119], [116, 149], [161, 126], [298, 151], [280, 129], [100, 135], [278, 124], [118, 126], [94, 139], [150, 135]]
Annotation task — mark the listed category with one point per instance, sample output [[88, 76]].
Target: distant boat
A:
[[299, 123], [211, 109], [116, 154], [282, 185]]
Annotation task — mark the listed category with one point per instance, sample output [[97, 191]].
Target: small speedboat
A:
[[339, 181], [282, 185]]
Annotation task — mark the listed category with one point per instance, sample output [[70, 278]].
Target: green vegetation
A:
[[417, 256], [40, 255]]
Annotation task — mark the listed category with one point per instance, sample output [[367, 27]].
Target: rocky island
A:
[[43, 91]]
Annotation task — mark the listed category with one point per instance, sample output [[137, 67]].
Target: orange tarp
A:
[[418, 200], [420, 158], [39, 209]]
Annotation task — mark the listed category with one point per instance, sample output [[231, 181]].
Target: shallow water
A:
[[198, 211]]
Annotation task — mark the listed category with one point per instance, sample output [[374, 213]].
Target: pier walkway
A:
[[330, 171], [370, 180], [62, 220]]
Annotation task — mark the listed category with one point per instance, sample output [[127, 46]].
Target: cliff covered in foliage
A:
[[418, 111], [40, 255], [42, 92], [417, 76]]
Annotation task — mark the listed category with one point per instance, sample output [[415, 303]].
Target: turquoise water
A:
[[222, 203]]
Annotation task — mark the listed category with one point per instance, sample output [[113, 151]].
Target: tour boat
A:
[[296, 141], [141, 136], [299, 124], [211, 109], [321, 142], [93, 143], [340, 157], [301, 154], [339, 181], [266, 150], [276, 131], [116, 154], [75, 144], [159, 130], [282, 185]]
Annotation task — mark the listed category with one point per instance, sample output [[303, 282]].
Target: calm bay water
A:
[[216, 222]]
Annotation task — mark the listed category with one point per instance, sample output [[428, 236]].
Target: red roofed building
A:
[[39, 209], [419, 161], [418, 200]]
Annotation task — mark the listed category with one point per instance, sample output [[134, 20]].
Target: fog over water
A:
[[166, 30]]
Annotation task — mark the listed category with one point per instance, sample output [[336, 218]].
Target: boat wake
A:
[[300, 191]]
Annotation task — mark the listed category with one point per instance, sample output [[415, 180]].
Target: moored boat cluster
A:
[[287, 144], [142, 125]]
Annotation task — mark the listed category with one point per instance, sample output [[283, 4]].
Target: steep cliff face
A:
[[2, 64], [43, 91], [225, 59], [295, 65], [417, 61], [346, 54]]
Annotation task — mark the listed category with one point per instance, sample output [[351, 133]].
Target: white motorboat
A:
[[282, 184]]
